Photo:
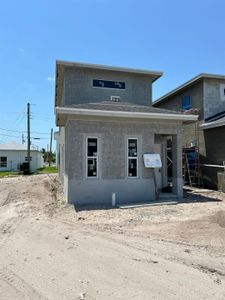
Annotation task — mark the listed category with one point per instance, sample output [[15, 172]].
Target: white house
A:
[[13, 154]]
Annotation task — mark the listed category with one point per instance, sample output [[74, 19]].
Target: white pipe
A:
[[113, 199]]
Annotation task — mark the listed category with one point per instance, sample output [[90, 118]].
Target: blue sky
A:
[[180, 38]]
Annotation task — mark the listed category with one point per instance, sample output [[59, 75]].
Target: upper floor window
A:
[[186, 103], [108, 84], [3, 161], [92, 157], [132, 157]]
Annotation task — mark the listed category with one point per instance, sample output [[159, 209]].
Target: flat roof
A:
[[157, 74], [187, 84], [15, 146]]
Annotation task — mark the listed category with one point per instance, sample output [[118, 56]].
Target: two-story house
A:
[[205, 95], [106, 124]]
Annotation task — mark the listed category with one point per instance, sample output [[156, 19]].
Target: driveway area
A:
[[50, 250]]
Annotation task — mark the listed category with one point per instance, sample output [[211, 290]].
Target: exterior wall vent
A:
[[115, 98]]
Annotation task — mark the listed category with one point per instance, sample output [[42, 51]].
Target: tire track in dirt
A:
[[170, 258], [19, 284]]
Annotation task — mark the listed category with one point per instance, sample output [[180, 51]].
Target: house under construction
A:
[[204, 140]]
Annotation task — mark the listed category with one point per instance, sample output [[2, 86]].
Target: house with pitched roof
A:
[[204, 95]]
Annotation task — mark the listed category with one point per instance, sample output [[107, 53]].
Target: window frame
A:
[[132, 157], [107, 88], [6, 162], [88, 157]]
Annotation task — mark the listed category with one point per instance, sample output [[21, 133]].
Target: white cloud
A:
[[51, 78], [21, 51]]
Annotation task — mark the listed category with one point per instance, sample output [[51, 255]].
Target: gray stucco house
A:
[[204, 95], [106, 123]]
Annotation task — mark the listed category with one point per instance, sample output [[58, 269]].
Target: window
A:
[[108, 84], [26, 158], [92, 157], [3, 162], [132, 157], [186, 103]]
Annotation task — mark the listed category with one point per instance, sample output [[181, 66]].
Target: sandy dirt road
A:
[[51, 251]]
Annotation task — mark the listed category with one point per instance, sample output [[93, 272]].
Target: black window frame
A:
[[132, 157], [92, 155], [3, 163]]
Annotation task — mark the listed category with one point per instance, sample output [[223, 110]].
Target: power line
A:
[[36, 132], [10, 135], [19, 137], [22, 114]]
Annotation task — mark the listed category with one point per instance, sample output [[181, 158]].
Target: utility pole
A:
[[50, 152], [28, 136]]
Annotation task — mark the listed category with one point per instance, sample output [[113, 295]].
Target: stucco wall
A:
[[206, 96], [61, 155], [191, 131], [77, 87], [174, 102], [213, 104], [112, 162], [215, 155]]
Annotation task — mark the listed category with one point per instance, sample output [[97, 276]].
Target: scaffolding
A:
[[191, 167]]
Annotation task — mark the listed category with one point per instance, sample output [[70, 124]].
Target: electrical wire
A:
[[23, 131], [19, 137], [10, 135]]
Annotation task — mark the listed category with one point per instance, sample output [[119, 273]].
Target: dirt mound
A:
[[219, 218], [29, 193]]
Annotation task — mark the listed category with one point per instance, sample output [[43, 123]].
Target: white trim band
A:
[[124, 114]]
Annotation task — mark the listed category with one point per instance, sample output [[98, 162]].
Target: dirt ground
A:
[[48, 250]]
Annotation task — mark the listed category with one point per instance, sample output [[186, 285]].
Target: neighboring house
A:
[[106, 123], [205, 95], [13, 154]]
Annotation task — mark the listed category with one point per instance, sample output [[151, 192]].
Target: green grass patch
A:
[[5, 174], [47, 170]]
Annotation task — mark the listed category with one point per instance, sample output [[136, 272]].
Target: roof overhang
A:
[[188, 84], [214, 124], [62, 111], [156, 74]]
